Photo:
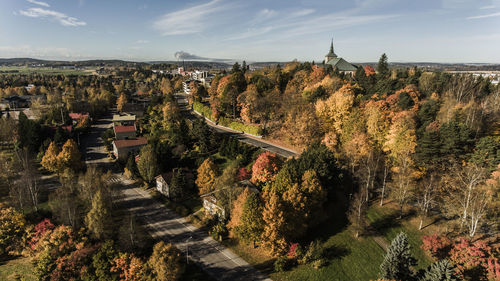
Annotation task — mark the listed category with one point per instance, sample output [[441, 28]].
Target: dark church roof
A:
[[337, 62]]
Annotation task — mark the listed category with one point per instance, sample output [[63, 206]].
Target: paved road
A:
[[254, 141], [164, 224]]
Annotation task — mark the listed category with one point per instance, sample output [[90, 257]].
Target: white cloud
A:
[[484, 16], [189, 20], [142, 41], [45, 4], [487, 7], [286, 24], [63, 19]]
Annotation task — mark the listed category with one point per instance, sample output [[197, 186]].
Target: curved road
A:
[[164, 224], [248, 139]]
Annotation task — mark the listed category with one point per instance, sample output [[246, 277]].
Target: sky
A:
[[452, 31]]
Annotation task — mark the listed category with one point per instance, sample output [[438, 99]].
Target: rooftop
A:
[[77, 116], [123, 117], [130, 142], [124, 129]]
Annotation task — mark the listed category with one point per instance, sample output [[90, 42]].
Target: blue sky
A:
[[260, 30]]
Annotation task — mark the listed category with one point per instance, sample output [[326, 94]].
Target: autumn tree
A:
[[121, 102], [165, 262], [265, 167], [334, 110], [102, 262], [65, 203], [50, 161], [467, 196], [29, 177], [251, 219], [207, 174], [12, 226], [131, 235], [98, 218], [274, 223], [130, 268], [426, 193], [356, 212], [400, 145], [148, 163], [70, 156], [235, 222]]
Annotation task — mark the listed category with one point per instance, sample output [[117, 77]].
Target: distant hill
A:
[[56, 63], [218, 65], [195, 64]]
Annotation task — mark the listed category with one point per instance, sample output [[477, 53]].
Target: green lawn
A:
[[19, 267], [348, 259], [385, 221]]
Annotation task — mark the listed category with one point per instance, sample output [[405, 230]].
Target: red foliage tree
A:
[[40, 229], [74, 265], [129, 267], [292, 251], [471, 259], [369, 70], [265, 168], [244, 174], [438, 246]]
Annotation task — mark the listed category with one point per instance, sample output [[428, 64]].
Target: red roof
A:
[[124, 129], [78, 116], [133, 142]]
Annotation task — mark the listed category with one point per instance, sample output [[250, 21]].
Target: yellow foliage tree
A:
[[207, 174], [165, 262], [274, 224], [334, 110], [121, 102], [50, 160], [236, 212], [70, 156]]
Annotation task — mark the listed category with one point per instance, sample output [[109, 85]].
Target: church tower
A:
[[331, 54]]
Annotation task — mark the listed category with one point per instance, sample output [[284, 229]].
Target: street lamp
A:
[[187, 249]]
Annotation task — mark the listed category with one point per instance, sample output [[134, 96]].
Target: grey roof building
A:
[[336, 62]]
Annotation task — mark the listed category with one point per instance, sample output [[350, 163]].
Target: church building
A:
[[336, 62]]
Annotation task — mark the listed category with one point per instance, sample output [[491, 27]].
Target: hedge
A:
[[227, 122]]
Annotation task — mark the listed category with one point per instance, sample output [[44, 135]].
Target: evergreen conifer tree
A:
[[398, 261], [442, 270]]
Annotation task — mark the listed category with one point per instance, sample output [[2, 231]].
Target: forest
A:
[[424, 146]]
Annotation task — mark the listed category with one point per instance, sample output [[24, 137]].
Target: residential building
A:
[[162, 183], [124, 132], [123, 119], [211, 207], [121, 148]]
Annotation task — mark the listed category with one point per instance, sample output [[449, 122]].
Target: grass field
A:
[[42, 70], [347, 258], [16, 269], [386, 222]]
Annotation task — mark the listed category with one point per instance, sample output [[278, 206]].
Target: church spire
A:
[[331, 48]]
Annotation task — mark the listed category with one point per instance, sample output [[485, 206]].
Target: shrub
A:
[[437, 246], [281, 264], [219, 231], [202, 109], [40, 229], [314, 252], [471, 259]]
